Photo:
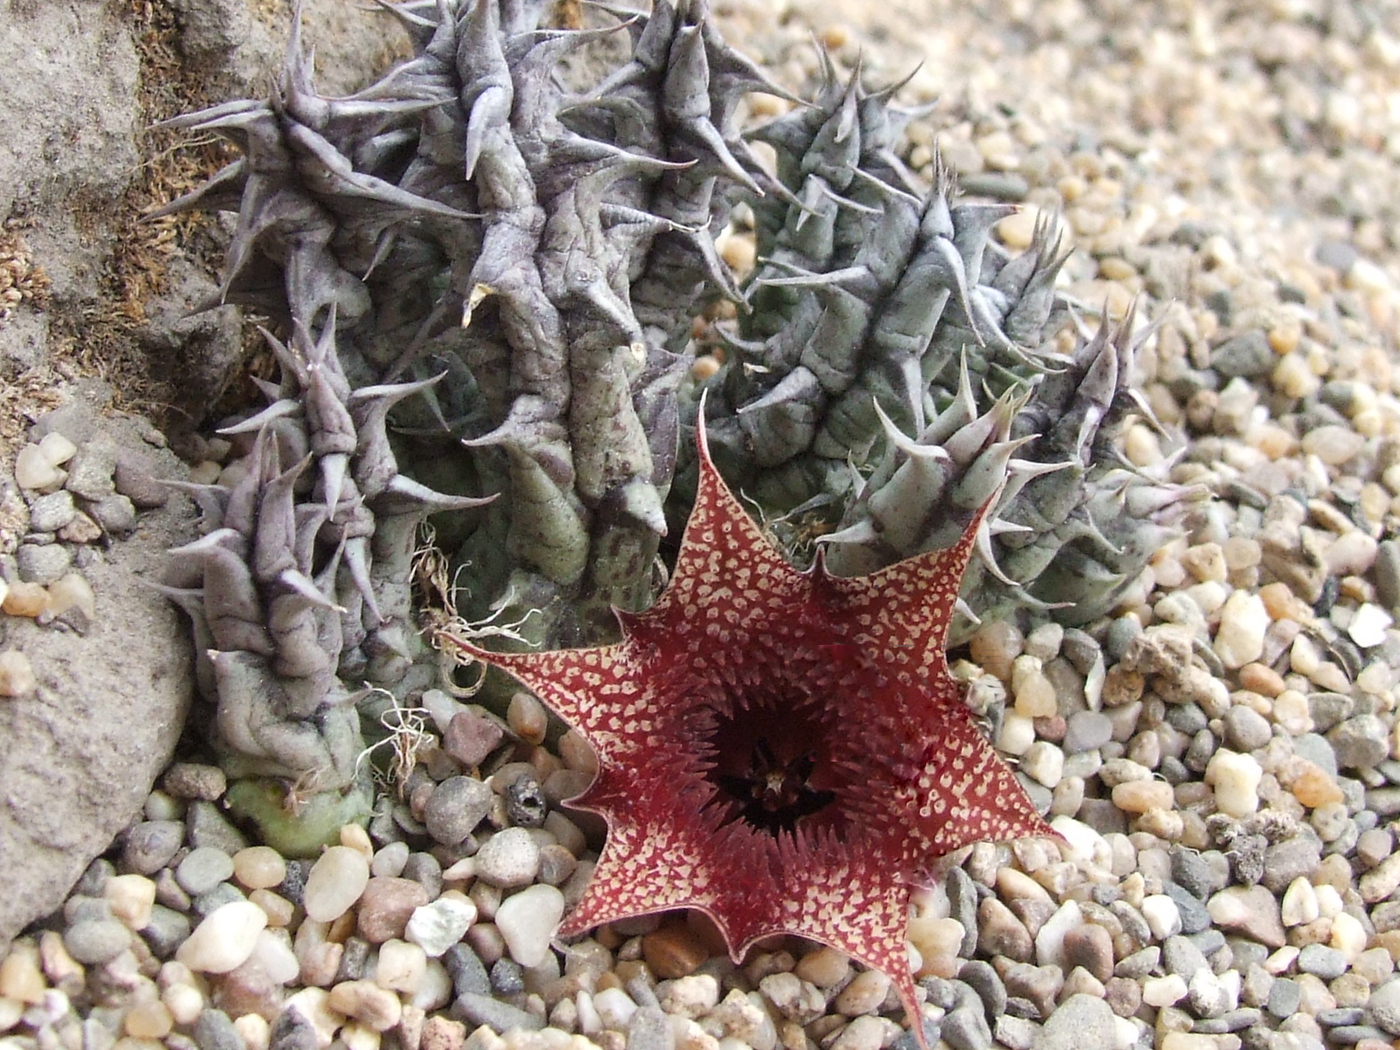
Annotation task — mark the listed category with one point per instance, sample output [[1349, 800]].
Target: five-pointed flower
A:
[[785, 751]]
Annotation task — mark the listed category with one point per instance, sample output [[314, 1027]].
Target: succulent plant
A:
[[507, 247]]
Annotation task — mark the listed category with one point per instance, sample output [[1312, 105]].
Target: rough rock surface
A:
[[82, 750]]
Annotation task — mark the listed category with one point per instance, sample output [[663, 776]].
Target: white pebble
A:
[[527, 921], [438, 926], [508, 858], [400, 966], [255, 1030], [1044, 763], [1017, 733], [1299, 903], [390, 860], [34, 471], [1236, 780], [1050, 941], [273, 952], [1368, 625], [336, 881], [225, 939], [614, 1007], [56, 448], [1348, 935], [1162, 915], [1163, 991], [1240, 638]]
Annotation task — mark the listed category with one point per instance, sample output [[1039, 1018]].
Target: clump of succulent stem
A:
[[521, 242]]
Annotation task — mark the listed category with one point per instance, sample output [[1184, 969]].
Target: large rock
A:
[[81, 752]]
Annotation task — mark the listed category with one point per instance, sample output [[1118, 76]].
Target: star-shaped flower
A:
[[785, 751]]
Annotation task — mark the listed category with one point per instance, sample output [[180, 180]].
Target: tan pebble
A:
[[673, 951], [1283, 338], [80, 529], [131, 899], [1141, 446], [1293, 377], [1139, 796], [527, 718], [1273, 441], [20, 975], [60, 968], [442, 1033], [26, 599], [149, 1020], [184, 1001], [366, 1001], [704, 367], [254, 1029], [1018, 229], [1262, 679], [836, 36], [1314, 787], [278, 909], [763, 104], [355, 837], [72, 592], [1114, 268], [259, 867], [205, 473], [738, 250], [16, 675]]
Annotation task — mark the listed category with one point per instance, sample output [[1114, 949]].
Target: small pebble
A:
[[336, 881], [225, 938], [527, 920], [17, 676]]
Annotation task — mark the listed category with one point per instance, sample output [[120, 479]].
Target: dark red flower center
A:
[[773, 769]]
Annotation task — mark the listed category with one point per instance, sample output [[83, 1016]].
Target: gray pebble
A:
[[1350, 1034], [293, 885], [482, 1009], [650, 1029], [1183, 958], [1081, 1022], [353, 960], [999, 185], [1229, 1021], [1080, 649], [1188, 719], [203, 869], [424, 869], [94, 879], [986, 982], [907, 1041], [1248, 355], [1246, 729], [962, 903], [51, 512], [91, 468], [169, 893], [1140, 964], [150, 845], [42, 563], [1194, 917], [1121, 634], [1087, 730], [455, 808], [1247, 953], [1341, 1015], [1328, 709], [1383, 1009], [92, 941], [468, 974], [1014, 1033], [966, 1029], [1247, 857], [1386, 575], [206, 826], [1208, 942], [1359, 742], [1193, 873], [214, 1031], [195, 780], [1284, 998], [223, 893], [134, 480], [1384, 802], [167, 930], [292, 1031], [1284, 861], [525, 804], [114, 513], [507, 977]]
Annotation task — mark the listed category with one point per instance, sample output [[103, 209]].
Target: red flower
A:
[[785, 751]]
